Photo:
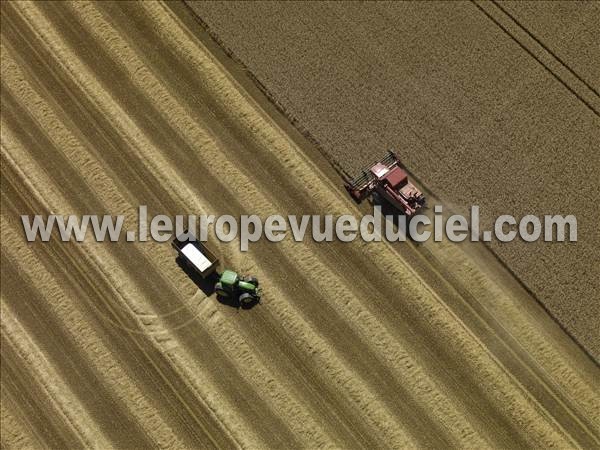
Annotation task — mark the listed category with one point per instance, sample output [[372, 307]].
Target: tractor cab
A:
[[231, 285]]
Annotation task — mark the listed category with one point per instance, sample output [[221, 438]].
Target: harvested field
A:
[[106, 106], [493, 104]]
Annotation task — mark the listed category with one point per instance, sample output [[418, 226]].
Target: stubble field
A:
[[106, 106]]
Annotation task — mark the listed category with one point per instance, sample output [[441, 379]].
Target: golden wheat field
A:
[[109, 105]]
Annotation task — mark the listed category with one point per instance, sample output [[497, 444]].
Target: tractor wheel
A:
[[220, 291], [253, 280], [246, 298]]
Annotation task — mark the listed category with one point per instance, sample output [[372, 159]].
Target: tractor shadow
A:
[[207, 286], [233, 302]]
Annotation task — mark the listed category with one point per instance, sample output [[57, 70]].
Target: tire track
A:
[[545, 47], [96, 396]]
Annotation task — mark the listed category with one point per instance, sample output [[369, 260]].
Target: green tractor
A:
[[231, 285]]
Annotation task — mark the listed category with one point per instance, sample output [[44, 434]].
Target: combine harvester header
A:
[[389, 181]]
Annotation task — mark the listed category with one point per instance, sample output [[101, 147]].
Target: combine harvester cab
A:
[[389, 181]]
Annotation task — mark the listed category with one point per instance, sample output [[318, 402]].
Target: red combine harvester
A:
[[388, 180]]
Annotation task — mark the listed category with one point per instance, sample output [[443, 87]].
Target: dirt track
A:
[[490, 104], [108, 106]]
